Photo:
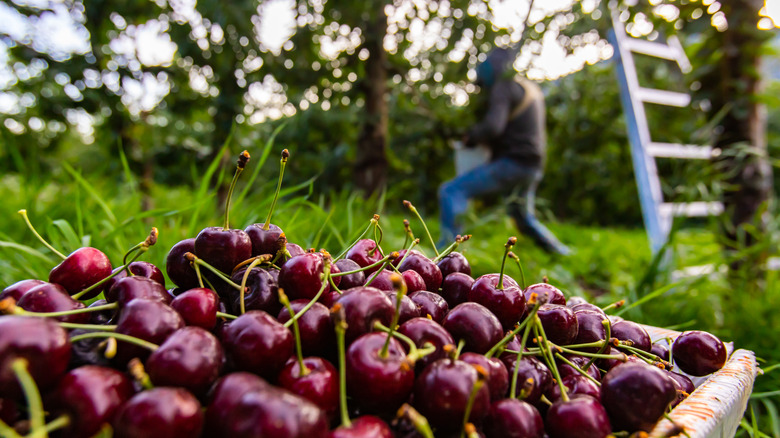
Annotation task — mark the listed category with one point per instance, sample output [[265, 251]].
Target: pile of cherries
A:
[[261, 338]]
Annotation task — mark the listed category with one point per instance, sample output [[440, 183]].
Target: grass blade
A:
[[91, 190], [26, 249], [259, 164], [654, 294], [206, 179], [68, 232], [774, 418]]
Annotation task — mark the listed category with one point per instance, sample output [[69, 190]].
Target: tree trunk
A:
[[370, 172]]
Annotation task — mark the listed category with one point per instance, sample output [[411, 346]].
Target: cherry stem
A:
[[242, 291], [481, 378], [296, 332], [20, 367], [411, 207], [226, 315], [540, 352], [324, 277], [602, 348], [339, 321], [407, 232], [367, 267], [118, 336], [458, 240], [282, 165], [388, 260], [243, 157], [514, 257], [576, 368], [508, 337], [264, 258], [400, 290], [68, 312], [8, 431], [116, 272], [104, 328], [374, 220], [650, 358], [615, 305], [195, 261], [143, 246], [409, 342], [420, 423], [378, 236], [531, 316], [461, 345], [58, 423], [547, 354], [136, 369], [507, 248], [109, 346], [333, 284], [471, 431], [45, 243]]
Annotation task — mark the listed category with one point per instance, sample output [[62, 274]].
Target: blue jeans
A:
[[500, 176]]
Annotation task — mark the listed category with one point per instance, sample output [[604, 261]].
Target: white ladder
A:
[[657, 214]]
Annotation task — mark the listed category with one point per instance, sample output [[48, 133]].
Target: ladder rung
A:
[[691, 209], [663, 97], [673, 150], [649, 48]]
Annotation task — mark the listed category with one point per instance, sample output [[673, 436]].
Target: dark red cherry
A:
[[575, 384], [365, 252], [683, 386], [80, 270], [381, 280], [178, 267], [42, 342], [315, 326], [608, 364], [582, 417], [90, 396], [455, 288], [513, 418], [130, 288], [454, 262], [508, 304], [257, 343], [19, 288], [320, 385], [9, 413], [366, 426], [576, 300], [363, 306], [223, 249], [350, 280], [475, 324], [408, 308], [530, 368], [103, 316], [198, 307], [300, 276], [264, 241], [559, 323], [190, 358], [636, 395], [631, 331], [699, 353], [413, 280], [661, 350], [160, 412], [149, 320], [565, 369], [590, 328], [225, 396], [545, 293], [585, 306], [424, 266], [498, 377], [139, 268], [262, 293], [422, 331], [442, 391], [375, 382], [431, 304], [51, 297]]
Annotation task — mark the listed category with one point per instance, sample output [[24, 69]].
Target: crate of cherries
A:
[[258, 337]]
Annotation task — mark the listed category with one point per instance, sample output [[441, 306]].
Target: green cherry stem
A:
[[45, 243], [119, 337], [482, 376], [226, 315], [282, 165], [411, 208], [58, 423], [324, 279], [136, 369], [242, 291], [20, 367], [547, 350], [408, 235], [339, 321], [508, 338], [576, 368], [409, 342], [400, 291], [296, 332], [371, 223], [514, 257], [615, 305], [8, 431], [198, 274], [524, 339], [96, 327], [388, 261], [243, 158], [458, 240], [150, 240], [381, 261], [194, 260], [608, 332], [8, 306], [507, 248], [420, 423], [264, 258], [409, 248]]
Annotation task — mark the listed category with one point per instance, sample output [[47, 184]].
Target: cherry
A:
[[631, 331], [442, 391], [381, 280], [454, 262], [89, 351], [577, 307], [350, 280], [636, 395], [576, 300], [315, 325], [662, 351], [19, 288], [498, 377], [8, 411], [581, 416], [129, 288], [431, 304], [163, 412], [80, 270], [367, 426], [319, 385], [575, 384], [455, 288], [256, 342], [590, 328], [559, 323], [149, 320], [139, 268], [699, 353], [530, 368], [413, 280], [564, 369], [266, 238], [51, 297], [682, 385], [363, 306], [366, 252], [178, 267], [422, 331], [190, 358], [513, 418], [261, 294], [475, 324], [42, 342], [377, 382], [101, 317], [198, 307], [90, 396], [546, 293], [408, 308], [417, 261], [225, 396], [301, 278], [505, 300], [608, 364]]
